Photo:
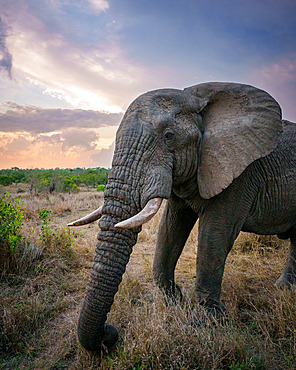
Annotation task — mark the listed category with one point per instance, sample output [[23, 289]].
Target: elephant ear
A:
[[240, 124]]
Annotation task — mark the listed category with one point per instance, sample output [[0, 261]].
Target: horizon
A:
[[69, 69], [47, 169]]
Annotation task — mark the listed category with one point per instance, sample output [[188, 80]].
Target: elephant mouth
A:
[[147, 213]]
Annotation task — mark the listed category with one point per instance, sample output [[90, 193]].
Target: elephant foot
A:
[[204, 316], [110, 336], [174, 295], [286, 280]]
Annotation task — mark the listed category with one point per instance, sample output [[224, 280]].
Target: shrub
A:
[[75, 188], [101, 188], [11, 221], [35, 280], [61, 241], [68, 184], [17, 254], [6, 180], [46, 232]]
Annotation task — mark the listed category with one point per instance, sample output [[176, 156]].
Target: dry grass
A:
[[39, 309]]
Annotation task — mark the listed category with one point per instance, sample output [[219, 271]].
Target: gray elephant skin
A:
[[219, 153]]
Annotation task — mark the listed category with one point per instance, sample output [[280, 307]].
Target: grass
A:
[[41, 297]]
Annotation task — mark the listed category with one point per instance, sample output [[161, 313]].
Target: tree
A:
[[6, 180]]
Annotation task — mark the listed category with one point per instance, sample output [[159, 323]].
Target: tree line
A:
[[63, 180]]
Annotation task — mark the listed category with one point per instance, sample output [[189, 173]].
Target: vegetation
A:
[[44, 281], [11, 221], [101, 188], [62, 180]]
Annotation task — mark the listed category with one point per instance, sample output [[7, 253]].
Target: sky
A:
[[70, 68]]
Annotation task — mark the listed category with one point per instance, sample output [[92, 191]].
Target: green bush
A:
[[6, 180], [63, 180], [46, 232], [101, 188], [68, 184], [75, 188], [11, 222], [17, 254], [34, 285], [61, 240]]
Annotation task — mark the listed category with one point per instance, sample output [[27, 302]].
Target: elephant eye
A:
[[169, 136], [169, 139]]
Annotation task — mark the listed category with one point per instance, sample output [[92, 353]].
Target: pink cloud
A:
[[100, 78], [104, 157], [37, 137], [15, 118], [70, 148], [99, 5], [279, 79]]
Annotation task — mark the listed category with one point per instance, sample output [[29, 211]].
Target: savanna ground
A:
[[43, 283]]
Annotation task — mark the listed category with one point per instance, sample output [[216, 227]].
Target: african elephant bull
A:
[[220, 153]]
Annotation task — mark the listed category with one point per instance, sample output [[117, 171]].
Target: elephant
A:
[[219, 153]]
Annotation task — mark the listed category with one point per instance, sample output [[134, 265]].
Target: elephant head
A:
[[209, 132]]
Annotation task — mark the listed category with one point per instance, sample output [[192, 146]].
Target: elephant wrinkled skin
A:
[[219, 153]]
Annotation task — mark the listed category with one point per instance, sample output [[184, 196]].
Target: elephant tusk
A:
[[95, 215], [145, 215]]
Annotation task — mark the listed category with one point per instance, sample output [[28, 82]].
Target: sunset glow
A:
[[69, 69]]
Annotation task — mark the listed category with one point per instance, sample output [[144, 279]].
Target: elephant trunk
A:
[[112, 255]]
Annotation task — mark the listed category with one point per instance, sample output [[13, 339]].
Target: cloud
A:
[[18, 144], [69, 148], [98, 77], [283, 71], [5, 55], [279, 79], [16, 118], [104, 157], [80, 139], [99, 5], [37, 137]]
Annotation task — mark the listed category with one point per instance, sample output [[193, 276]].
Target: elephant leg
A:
[[288, 276], [216, 236], [176, 224]]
